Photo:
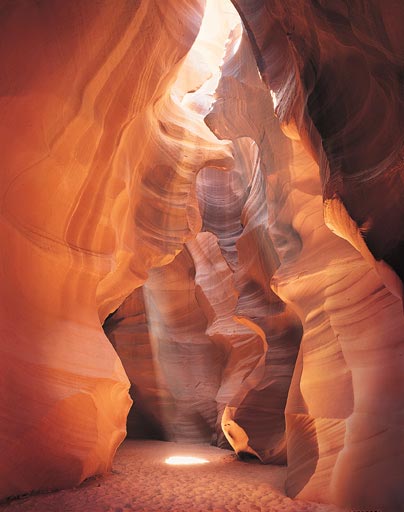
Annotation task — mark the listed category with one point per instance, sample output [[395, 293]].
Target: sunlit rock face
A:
[[336, 71], [335, 76], [259, 334], [237, 254], [97, 189], [223, 344], [278, 243]]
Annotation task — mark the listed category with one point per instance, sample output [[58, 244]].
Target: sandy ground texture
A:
[[141, 480]]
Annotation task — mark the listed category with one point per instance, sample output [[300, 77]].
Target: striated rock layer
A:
[[211, 353], [261, 306], [223, 344], [97, 187], [283, 235], [336, 71], [331, 71], [258, 333]]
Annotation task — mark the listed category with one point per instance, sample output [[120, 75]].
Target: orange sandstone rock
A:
[[84, 90], [331, 68], [107, 119]]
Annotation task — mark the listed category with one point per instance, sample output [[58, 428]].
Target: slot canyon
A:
[[202, 226]]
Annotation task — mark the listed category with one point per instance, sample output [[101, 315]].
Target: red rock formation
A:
[[336, 71], [103, 135], [190, 365], [341, 447], [186, 415], [93, 161], [128, 331], [212, 315], [260, 335], [333, 427]]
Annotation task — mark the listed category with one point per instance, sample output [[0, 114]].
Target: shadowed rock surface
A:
[[226, 200]]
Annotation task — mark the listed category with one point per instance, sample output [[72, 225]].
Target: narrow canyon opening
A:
[[199, 339]]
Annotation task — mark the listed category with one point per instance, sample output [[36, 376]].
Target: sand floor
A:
[[142, 481]]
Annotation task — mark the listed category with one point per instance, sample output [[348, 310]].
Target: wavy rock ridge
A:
[[224, 345], [242, 255], [85, 157], [333, 70]]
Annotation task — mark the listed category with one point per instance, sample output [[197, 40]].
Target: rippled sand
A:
[[142, 481]]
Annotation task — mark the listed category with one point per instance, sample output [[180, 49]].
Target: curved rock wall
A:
[[250, 293], [336, 69], [171, 200], [84, 87], [343, 433], [128, 331], [223, 338], [223, 343], [260, 334], [279, 230]]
